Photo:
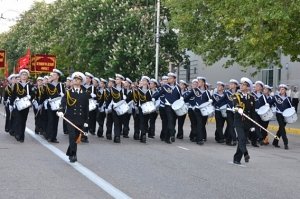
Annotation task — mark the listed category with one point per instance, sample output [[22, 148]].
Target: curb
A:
[[271, 127]]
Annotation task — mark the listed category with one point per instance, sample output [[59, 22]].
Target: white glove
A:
[[93, 95], [210, 100], [124, 97], [28, 97], [40, 107], [49, 100], [240, 110], [45, 104], [181, 97], [252, 129], [59, 114], [153, 99], [86, 125], [62, 94], [11, 108]]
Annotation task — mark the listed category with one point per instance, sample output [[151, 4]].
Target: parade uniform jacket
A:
[[39, 93], [144, 96], [282, 103], [259, 99], [20, 91], [90, 89], [171, 93], [247, 103], [102, 96], [219, 100], [200, 96], [75, 106], [229, 94], [54, 90], [7, 94], [116, 94]]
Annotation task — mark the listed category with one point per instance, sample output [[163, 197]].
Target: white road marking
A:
[[239, 165], [106, 186], [183, 148]]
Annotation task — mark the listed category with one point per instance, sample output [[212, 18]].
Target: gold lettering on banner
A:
[[45, 68]]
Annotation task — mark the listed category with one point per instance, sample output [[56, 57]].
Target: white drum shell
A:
[[180, 107], [55, 103], [290, 115], [148, 107], [23, 103], [223, 110], [207, 109], [265, 113], [121, 107], [92, 104]]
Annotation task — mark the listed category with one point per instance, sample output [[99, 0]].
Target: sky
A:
[[11, 9]]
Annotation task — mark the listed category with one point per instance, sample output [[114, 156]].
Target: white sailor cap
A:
[[195, 80], [283, 86], [111, 79], [183, 82], [164, 77], [97, 79], [17, 75], [268, 87], [234, 81], [24, 71], [154, 81], [201, 78], [246, 80], [104, 80], [79, 75], [89, 75], [120, 76], [221, 83], [46, 77], [39, 78], [207, 84], [260, 82], [128, 80], [69, 78], [146, 78], [172, 75], [58, 72], [10, 77]]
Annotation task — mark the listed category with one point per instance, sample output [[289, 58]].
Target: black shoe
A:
[[21, 140], [143, 139], [136, 136], [204, 140], [117, 139], [92, 132], [200, 143], [54, 141], [108, 137], [286, 147], [236, 162], [172, 138], [73, 159], [7, 130], [168, 141], [254, 144], [247, 158], [66, 132], [276, 145], [151, 136], [193, 139], [221, 141], [180, 137], [11, 133], [125, 136], [234, 143]]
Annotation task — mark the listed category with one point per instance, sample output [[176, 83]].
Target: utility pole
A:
[[157, 39]]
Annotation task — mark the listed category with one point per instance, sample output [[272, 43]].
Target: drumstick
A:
[[76, 127], [249, 118]]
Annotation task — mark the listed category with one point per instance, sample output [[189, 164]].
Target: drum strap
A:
[[60, 86], [27, 89], [240, 103], [265, 99]]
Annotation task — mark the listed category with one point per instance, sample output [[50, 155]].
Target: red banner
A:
[[2, 58], [43, 63], [25, 61]]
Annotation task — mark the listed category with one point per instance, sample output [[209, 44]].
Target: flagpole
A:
[[157, 40]]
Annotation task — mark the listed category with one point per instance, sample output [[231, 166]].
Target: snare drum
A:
[[223, 110], [92, 104], [148, 107], [23, 103], [121, 107], [55, 103], [180, 107], [206, 109], [265, 113], [290, 115]]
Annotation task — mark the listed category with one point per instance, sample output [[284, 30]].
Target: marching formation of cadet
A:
[[84, 101]]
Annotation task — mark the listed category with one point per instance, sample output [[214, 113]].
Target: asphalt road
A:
[[153, 170]]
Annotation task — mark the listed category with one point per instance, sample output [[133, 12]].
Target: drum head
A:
[[288, 112]]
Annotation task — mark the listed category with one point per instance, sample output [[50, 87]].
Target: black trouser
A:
[[257, 135], [37, 120], [7, 119], [200, 130], [180, 124], [65, 128], [230, 132], [281, 131], [44, 122], [126, 120], [117, 123], [136, 121], [100, 119], [193, 120], [52, 125], [92, 121], [109, 123], [164, 123], [241, 147], [295, 102], [264, 124], [152, 120], [144, 122], [220, 121], [73, 135], [20, 123], [170, 118]]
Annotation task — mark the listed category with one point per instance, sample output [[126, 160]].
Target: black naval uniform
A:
[[242, 124], [135, 114], [92, 114], [102, 96], [126, 117], [75, 105], [9, 114], [230, 134], [39, 98], [20, 91]]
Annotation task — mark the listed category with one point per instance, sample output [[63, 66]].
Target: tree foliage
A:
[[247, 32], [100, 36]]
